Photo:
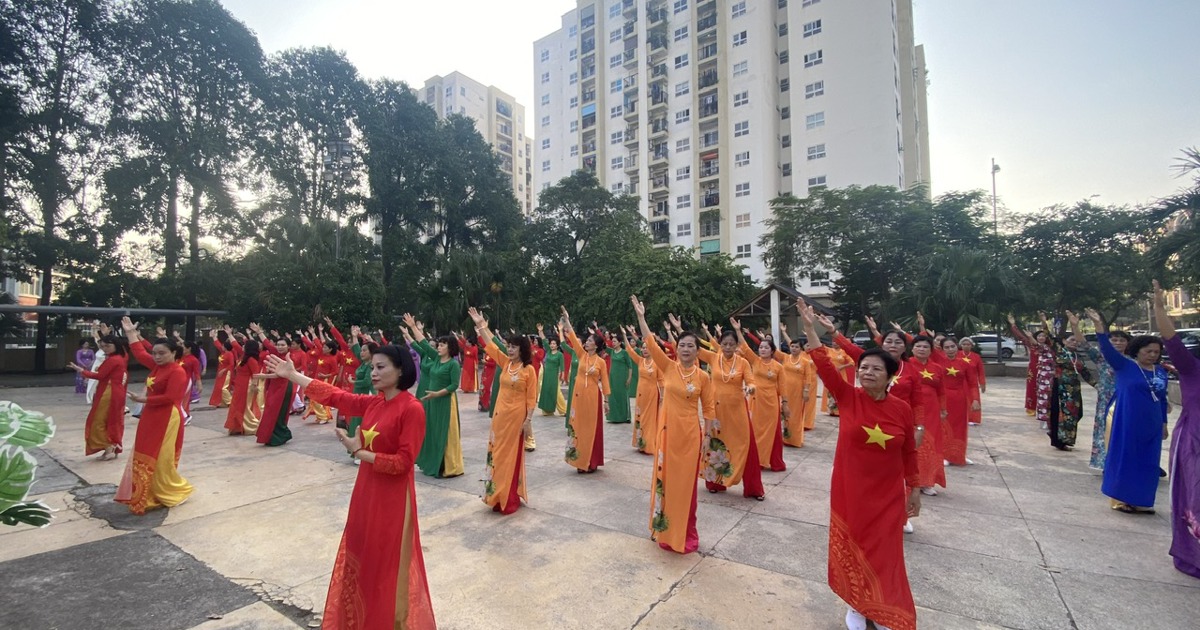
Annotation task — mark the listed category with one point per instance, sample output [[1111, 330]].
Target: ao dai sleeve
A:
[[412, 433], [708, 399]]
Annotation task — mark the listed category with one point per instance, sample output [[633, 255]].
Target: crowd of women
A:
[[718, 408]]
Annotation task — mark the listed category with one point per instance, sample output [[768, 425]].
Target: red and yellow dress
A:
[[958, 382], [876, 456], [485, 386], [932, 392], [221, 396], [105, 424], [646, 403], [796, 388], [765, 409], [585, 427], [379, 576], [244, 412], [152, 476], [469, 381], [191, 366], [976, 362], [325, 368], [731, 449], [845, 367], [677, 461], [504, 487]]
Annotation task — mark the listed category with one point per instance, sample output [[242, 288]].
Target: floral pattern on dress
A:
[[572, 451], [659, 523], [1070, 373], [1106, 386], [717, 466]]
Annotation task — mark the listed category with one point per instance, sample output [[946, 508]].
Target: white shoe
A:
[[908, 528], [1044, 427], [855, 620], [972, 424], [945, 462], [187, 421], [970, 463], [929, 492]]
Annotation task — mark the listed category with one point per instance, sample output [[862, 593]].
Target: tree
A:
[[1178, 251], [1085, 255], [959, 289], [53, 81]]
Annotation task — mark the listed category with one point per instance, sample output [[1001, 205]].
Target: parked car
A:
[[1191, 340], [861, 338], [985, 345]]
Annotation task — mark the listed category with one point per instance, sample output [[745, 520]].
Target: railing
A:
[[710, 200], [709, 139], [710, 170], [708, 51], [707, 78], [703, 24], [707, 111]]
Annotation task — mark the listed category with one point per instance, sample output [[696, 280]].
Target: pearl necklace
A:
[[691, 387], [726, 375], [515, 375]]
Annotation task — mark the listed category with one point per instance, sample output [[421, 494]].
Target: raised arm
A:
[[136, 348], [657, 354], [743, 347], [1166, 328], [827, 372], [482, 332], [1020, 333]]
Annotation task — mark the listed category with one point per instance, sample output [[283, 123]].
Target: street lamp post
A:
[[995, 222], [339, 161]]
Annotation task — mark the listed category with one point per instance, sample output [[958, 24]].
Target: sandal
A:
[[1129, 509]]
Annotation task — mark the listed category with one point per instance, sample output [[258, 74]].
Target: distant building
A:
[[499, 119], [707, 110]]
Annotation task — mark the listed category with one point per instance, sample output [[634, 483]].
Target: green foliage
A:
[[21, 429], [959, 289], [1177, 252]]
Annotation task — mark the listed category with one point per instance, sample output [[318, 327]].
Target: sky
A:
[[1072, 98]]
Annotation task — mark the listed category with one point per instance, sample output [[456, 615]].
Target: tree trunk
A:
[[171, 244], [194, 258]]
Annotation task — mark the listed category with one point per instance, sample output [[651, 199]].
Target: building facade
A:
[[707, 110], [499, 118]]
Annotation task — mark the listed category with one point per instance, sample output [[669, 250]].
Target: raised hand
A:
[[129, 327], [1072, 318], [826, 322], [807, 314], [1160, 296], [540, 328], [409, 320], [480, 322], [870, 322], [920, 321], [737, 325], [160, 332], [675, 321], [283, 368], [638, 307]]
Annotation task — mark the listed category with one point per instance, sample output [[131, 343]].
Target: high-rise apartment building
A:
[[708, 109], [499, 119]]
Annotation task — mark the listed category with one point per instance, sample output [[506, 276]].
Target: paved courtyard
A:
[[1022, 540]]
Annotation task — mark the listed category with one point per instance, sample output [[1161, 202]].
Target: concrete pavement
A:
[[1022, 540]]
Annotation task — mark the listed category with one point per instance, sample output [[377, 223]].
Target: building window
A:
[[816, 183], [545, 55], [741, 98], [574, 78], [683, 116], [813, 90], [742, 190], [782, 4], [683, 173], [545, 121], [546, 143], [742, 220], [681, 61], [812, 121], [739, 39], [617, 162], [787, 169], [574, 126], [741, 159], [812, 28], [614, 61], [741, 129], [618, 188], [545, 166], [816, 151], [574, 150], [785, 113], [814, 59], [785, 85], [614, 10], [616, 111], [614, 86], [681, 33], [681, 88], [819, 279], [680, 6], [573, 30], [683, 229], [743, 251], [683, 201], [740, 68], [786, 141], [808, 3], [573, 55], [616, 137], [739, 9], [614, 35], [545, 77], [683, 145], [783, 56], [574, 102], [783, 29], [545, 99]]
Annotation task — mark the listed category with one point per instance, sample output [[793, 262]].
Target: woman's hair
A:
[[119, 346], [84, 343], [926, 338], [1139, 342], [451, 344], [601, 344], [523, 345], [175, 348], [193, 347], [401, 357], [250, 351], [728, 333], [554, 339], [1120, 334], [890, 364], [685, 334], [945, 339], [332, 345], [769, 342], [223, 337], [371, 347]]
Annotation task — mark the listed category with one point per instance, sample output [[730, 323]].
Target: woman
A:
[[689, 402], [362, 381], [930, 378], [646, 401], [152, 476], [730, 445], [1041, 371], [379, 576], [1139, 422], [469, 380], [797, 389], [1185, 447], [959, 381], [221, 396], [550, 398], [589, 405], [191, 365], [485, 388], [84, 356], [243, 414], [620, 378], [845, 367], [1066, 405], [504, 487], [105, 426], [876, 457], [325, 368], [441, 453], [277, 400], [764, 402], [966, 348], [1105, 383]]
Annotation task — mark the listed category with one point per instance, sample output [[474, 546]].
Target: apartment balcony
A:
[[630, 84], [709, 169], [630, 27], [710, 139], [709, 200], [662, 210], [660, 183], [588, 72], [708, 110], [656, 16], [660, 233], [631, 58], [708, 78], [587, 22], [629, 8], [588, 47], [631, 136], [588, 97], [659, 156], [631, 163], [707, 26], [589, 147], [658, 101], [659, 71], [589, 163], [658, 129], [631, 110]]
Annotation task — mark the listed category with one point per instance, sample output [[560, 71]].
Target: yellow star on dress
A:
[[895, 379], [349, 361], [877, 436], [149, 382], [927, 374], [368, 436], [320, 361], [952, 371], [966, 359]]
